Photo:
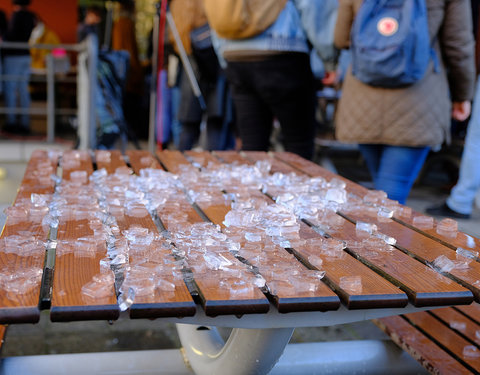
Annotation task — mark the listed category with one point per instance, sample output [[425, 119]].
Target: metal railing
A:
[[87, 59]]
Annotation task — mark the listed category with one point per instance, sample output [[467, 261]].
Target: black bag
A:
[[204, 53]]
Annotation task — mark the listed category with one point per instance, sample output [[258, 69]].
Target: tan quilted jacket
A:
[[418, 115]]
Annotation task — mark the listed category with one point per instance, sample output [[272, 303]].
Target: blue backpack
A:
[[390, 42]]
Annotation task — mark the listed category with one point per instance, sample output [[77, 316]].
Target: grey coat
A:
[[418, 115]]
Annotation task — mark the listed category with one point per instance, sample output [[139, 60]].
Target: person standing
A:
[[268, 66], [459, 203], [17, 67], [124, 38], [397, 127]]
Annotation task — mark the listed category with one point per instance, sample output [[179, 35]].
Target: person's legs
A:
[[253, 116], [399, 167], [463, 193], [371, 154], [10, 87], [23, 91], [286, 84], [188, 135]]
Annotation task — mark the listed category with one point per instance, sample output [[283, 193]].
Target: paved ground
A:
[[49, 338]]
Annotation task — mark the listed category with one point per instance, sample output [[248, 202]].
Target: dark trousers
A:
[[281, 87]]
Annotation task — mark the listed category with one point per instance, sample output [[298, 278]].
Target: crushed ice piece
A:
[[101, 286], [459, 326], [467, 253], [470, 241], [253, 237], [403, 211], [361, 226], [447, 227], [387, 239], [375, 196], [103, 156], [216, 261], [125, 300], [443, 264], [477, 334], [378, 244], [385, 213], [281, 287], [239, 288], [315, 260], [471, 351], [165, 285], [352, 284], [79, 177], [259, 281], [423, 222]]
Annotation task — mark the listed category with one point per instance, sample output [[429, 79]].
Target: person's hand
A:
[[461, 110]]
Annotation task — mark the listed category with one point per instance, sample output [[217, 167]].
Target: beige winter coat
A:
[[418, 115]]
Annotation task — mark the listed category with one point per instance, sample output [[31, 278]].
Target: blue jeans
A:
[[394, 168], [19, 68], [463, 193]]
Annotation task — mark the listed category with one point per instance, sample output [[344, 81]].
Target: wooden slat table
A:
[[156, 235]]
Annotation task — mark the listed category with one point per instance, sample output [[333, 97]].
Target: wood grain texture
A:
[[431, 356], [110, 160], [17, 305], [161, 303], [458, 322], [73, 271], [425, 249], [141, 159], [448, 339]]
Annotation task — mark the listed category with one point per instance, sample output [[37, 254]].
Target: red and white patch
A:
[[387, 26]]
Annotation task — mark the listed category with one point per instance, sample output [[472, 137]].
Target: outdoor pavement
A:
[[124, 334]]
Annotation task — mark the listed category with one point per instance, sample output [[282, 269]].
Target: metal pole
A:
[[92, 62], [153, 82], [186, 62], [50, 99]]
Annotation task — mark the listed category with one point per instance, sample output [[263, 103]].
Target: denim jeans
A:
[[463, 193], [394, 168], [19, 68]]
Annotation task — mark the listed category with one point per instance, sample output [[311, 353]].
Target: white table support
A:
[[247, 351]]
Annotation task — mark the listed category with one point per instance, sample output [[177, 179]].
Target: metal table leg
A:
[[247, 351]]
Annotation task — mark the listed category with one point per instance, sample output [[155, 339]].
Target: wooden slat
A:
[[458, 322], [215, 300], [172, 160], [110, 160], [460, 239], [24, 307], [472, 311], [160, 304], [424, 249], [73, 272], [448, 339], [142, 159], [423, 349]]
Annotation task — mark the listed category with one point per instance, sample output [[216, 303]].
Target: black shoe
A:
[[444, 210]]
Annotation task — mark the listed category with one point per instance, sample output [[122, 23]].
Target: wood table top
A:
[[170, 235]]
